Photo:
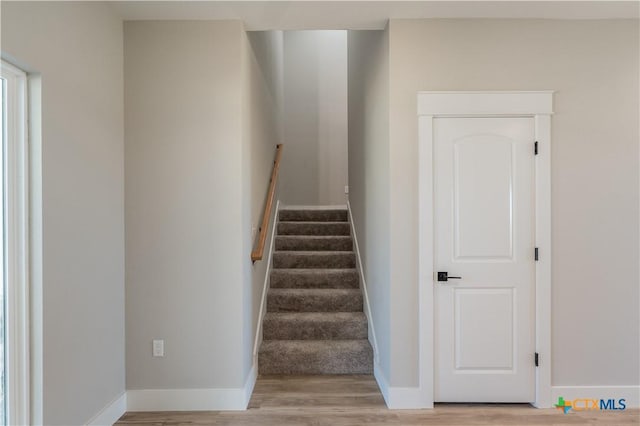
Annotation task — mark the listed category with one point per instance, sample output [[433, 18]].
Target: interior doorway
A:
[[485, 224], [484, 259]]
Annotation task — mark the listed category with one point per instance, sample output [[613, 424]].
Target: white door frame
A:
[[537, 105]]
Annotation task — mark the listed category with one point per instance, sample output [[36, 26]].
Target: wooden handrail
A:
[[257, 253]]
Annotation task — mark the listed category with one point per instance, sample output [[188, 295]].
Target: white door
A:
[[484, 234]]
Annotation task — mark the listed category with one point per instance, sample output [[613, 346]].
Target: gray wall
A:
[[315, 117], [593, 66], [369, 173], [184, 269], [262, 126], [77, 49], [203, 108]]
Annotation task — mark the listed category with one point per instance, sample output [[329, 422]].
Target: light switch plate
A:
[[158, 348]]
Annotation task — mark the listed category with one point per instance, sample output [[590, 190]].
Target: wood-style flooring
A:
[[356, 400]]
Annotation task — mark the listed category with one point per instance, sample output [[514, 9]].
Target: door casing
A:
[[537, 105]]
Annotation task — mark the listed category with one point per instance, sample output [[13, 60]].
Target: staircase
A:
[[314, 322]]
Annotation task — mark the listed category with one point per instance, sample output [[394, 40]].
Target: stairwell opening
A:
[[314, 119], [313, 319]]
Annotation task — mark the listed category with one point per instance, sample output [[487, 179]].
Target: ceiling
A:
[[366, 14]]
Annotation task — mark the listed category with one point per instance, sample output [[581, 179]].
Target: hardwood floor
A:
[[356, 400]]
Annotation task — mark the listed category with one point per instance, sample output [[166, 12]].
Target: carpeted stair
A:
[[314, 322]]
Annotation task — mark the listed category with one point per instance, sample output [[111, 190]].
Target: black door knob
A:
[[444, 276]]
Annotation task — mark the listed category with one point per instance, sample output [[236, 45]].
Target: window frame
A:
[[16, 245]]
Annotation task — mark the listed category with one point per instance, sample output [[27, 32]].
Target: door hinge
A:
[[536, 358], [536, 254], [535, 148]]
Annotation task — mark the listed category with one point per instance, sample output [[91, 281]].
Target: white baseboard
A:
[[111, 413], [265, 286], [412, 398], [400, 398], [396, 398], [230, 399], [631, 394], [214, 399], [382, 382], [407, 399], [186, 399], [250, 383], [363, 285]]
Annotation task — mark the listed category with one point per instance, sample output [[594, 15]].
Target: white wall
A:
[[77, 50], [593, 66], [369, 174], [315, 117], [184, 248]]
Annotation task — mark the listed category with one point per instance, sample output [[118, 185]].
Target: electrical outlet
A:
[[158, 348], [346, 189]]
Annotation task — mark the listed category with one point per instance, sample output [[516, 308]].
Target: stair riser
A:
[[313, 243], [295, 303], [315, 260], [314, 215], [313, 228], [329, 361], [287, 279], [276, 329]]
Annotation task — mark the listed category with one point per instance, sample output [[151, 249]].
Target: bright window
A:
[[3, 374], [14, 314]]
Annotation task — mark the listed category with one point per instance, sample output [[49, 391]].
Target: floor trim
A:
[[342, 400], [273, 222], [231, 399], [407, 399], [111, 412], [631, 394], [363, 285], [213, 399], [382, 382], [400, 398], [250, 383], [237, 399]]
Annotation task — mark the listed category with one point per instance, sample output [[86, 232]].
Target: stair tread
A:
[[314, 326], [313, 345], [314, 278], [286, 227], [313, 243], [316, 316], [313, 259], [311, 298], [314, 300], [315, 237], [315, 252], [315, 222], [321, 209], [304, 215], [311, 271], [287, 350], [315, 291]]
